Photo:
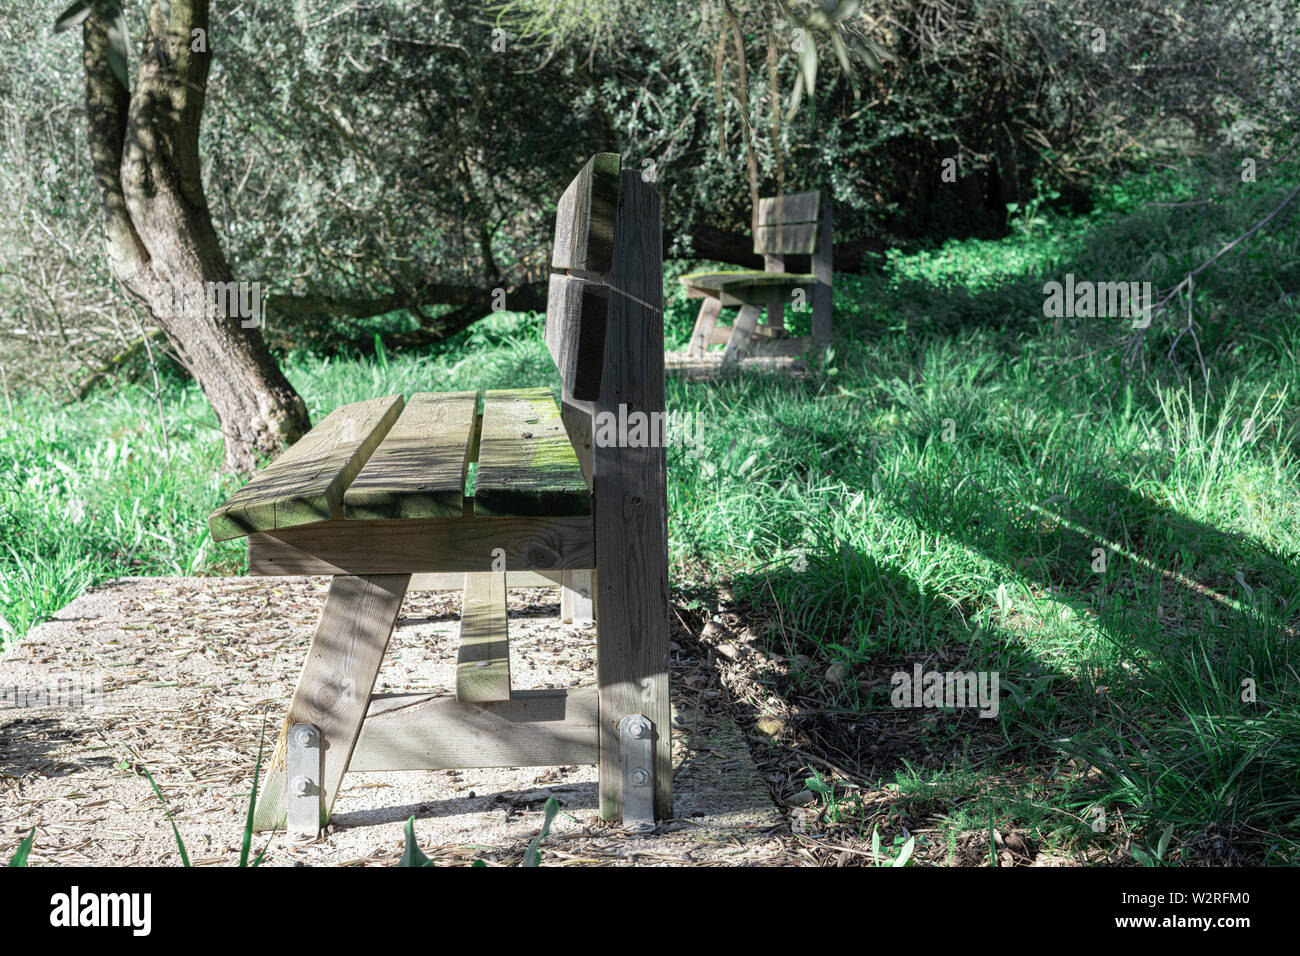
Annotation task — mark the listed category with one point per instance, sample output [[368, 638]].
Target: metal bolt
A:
[[306, 737], [301, 786], [640, 777], [640, 728]]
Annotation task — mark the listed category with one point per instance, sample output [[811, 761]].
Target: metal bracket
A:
[[636, 740], [303, 776]]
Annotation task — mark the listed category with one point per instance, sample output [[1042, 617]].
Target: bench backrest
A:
[[789, 225], [605, 225], [605, 330], [604, 315]]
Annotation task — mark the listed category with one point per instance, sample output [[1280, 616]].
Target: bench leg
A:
[[632, 676], [704, 324], [776, 315], [629, 493], [334, 688], [575, 598], [741, 333], [822, 263], [821, 320]]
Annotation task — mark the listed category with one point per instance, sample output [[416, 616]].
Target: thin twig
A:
[[1132, 349]]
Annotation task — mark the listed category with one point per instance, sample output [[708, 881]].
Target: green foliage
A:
[[413, 856], [1156, 857], [411, 853], [119, 38], [394, 151], [180, 844], [533, 855], [901, 858], [248, 819], [835, 508], [20, 855], [74, 16]]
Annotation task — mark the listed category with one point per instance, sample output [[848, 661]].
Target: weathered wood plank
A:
[[418, 470], [576, 311], [307, 482], [718, 281], [630, 493], [454, 581], [526, 465], [775, 307], [738, 346], [796, 207], [721, 335], [576, 598], [776, 314], [734, 289], [584, 221], [483, 662], [794, 238], [822, 267], [705, 323], [423, 545], [577, 422], [334, 688], [534, 728]]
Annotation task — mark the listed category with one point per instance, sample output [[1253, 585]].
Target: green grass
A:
[[938, 494]]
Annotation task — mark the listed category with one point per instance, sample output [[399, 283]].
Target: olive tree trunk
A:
[[158, 232]]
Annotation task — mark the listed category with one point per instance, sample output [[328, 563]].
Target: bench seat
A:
[[739, 288], [435, 456]]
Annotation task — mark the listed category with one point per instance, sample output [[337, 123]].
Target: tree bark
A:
[[158, 231]]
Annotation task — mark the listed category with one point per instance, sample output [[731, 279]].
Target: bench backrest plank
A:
[[576, 313], [796, 207], [788, 225], [307, 482], [793, 239], [584, 220], [526, 465], [418, 470], [578, 305]]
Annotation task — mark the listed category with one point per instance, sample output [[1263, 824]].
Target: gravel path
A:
[[191, 669]]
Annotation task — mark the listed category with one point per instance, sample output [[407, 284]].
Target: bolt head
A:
[[640, 777], [305, 736], [301, 786], [640, 728]]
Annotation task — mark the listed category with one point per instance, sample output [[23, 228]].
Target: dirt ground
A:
[[193, 670]]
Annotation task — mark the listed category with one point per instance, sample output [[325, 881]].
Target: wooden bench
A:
[[799, 224], [504, 489]]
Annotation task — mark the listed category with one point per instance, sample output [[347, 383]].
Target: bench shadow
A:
[[797, 722], [1131, 564], [571, 798], [28, 744]]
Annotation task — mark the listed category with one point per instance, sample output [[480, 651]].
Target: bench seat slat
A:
[[307, 482], [735, 289], [719, 281], [526, 464], [418, 470], [483, 662]]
